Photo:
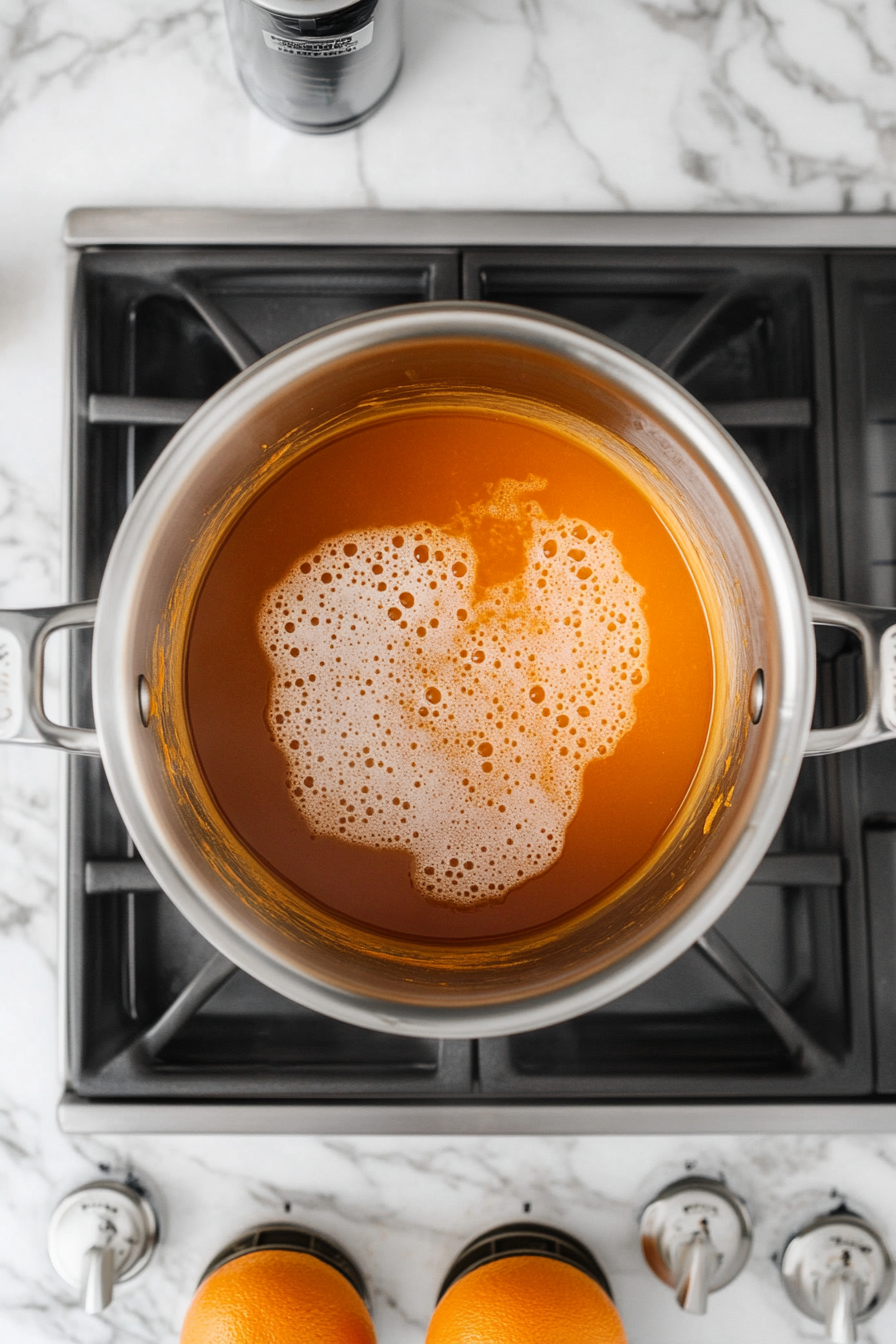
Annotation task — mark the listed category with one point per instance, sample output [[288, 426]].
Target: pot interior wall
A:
[[298, 413]]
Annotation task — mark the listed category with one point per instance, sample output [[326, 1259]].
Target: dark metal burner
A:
[[792, 996], [289, 1237], [516, 1239]]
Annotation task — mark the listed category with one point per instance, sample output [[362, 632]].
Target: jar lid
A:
[[305, 9]]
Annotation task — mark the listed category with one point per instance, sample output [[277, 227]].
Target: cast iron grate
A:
[[775, 1002]]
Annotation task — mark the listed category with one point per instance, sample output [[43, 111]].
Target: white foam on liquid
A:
[[414, 715]]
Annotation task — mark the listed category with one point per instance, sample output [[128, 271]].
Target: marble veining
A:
[[535, 104], [404, 1209]]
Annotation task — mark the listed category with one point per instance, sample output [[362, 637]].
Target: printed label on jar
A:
[[888, 677], [342, 45], [10, 685]]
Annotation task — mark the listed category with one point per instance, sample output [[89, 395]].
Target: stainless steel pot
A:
[[710, 497]]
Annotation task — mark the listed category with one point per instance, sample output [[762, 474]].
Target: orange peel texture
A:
[[525, 1300], [277, 1297]]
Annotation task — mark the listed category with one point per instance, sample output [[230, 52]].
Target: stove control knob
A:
[[696, 1236], [101, 1234], [839, 1271]]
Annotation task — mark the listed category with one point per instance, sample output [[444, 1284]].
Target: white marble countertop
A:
[[509, 104]]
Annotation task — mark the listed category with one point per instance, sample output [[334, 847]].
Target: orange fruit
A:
[[525, 1299], [277, 1297]]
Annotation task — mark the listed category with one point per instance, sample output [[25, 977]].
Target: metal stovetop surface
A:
[[783, 1016]]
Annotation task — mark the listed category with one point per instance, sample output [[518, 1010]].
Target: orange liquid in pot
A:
[[450, 676]]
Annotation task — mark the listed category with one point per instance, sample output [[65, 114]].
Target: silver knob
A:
[[696, 1236], [101, 1234], [837, 1270]]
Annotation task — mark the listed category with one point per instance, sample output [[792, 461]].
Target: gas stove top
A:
[[783, 1015]]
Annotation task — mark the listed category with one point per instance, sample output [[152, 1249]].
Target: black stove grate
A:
[[783, 998]]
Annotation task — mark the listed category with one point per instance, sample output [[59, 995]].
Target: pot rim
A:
[[115, 704]]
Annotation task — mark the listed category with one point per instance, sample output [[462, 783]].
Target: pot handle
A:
[[23, 639], [876, 628]]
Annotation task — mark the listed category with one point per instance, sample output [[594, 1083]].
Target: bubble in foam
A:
[[416, 713]]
